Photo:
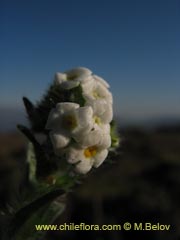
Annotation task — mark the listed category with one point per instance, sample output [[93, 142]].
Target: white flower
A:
[[95, 90], [82, 133], [73, 77], [101, 80], [86, 158], [102, 111], [67, 121], [99, 136], [104, 131]]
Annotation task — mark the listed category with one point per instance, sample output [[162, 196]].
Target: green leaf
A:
[[29, 211], [77, 96], [43, 216], [115, 140]]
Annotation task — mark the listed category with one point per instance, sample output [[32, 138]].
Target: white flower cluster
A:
[[82, 133]]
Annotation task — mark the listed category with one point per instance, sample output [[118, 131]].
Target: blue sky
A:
[[134, 45]]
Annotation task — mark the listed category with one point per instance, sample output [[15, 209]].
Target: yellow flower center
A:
[[97, 120], [90, 152], [69, 122], [96, 94]]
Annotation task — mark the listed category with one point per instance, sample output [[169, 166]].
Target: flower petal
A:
[[106, 128], [55, 116], [107, 115], [84, 117], [103, 131], [87, 86], [83, 166], [88, 138], [105, 141], [101, 109], [100, 157], [104, 93], [78, 71], [101, 80], [96, 91], [74, 154], [60, 78], [53, 120], [59, 141], [66, 107], [70, 84]]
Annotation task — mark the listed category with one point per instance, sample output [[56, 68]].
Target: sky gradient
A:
[[134, 45]]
